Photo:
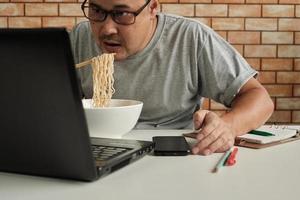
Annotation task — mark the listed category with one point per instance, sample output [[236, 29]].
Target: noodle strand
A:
[[103, 79]]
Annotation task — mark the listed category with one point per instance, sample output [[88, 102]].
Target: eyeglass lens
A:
[[96, 14]]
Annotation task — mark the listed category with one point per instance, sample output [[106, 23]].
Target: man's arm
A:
[[250, 109]]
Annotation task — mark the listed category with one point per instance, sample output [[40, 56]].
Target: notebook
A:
[[280, 134], [268, 135], [43, 126]]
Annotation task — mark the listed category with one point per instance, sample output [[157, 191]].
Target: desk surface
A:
[[271, 173]]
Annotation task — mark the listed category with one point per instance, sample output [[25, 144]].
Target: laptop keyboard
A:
[[103, 153]]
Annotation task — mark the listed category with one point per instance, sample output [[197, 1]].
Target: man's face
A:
[[124, 40]]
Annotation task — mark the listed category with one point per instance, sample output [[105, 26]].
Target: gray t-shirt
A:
[[184, 61]]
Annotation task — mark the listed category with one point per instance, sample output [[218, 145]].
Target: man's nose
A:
[[109, 26]]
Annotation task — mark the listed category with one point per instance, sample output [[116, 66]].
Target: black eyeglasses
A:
[[95, 13]]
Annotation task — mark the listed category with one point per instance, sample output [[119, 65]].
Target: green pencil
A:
[[262, 133]]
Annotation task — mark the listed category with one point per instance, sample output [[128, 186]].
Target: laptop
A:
[[42, 121]]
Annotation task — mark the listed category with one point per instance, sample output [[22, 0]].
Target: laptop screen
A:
[[41, 109]]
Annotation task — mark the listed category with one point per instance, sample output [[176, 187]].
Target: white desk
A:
[[271, 173]]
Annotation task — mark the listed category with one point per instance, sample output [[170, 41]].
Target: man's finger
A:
[[198, 118], [204, 145], [211, 122]]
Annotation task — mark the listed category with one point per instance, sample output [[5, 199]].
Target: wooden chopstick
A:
[[84, 63], [87, 62]]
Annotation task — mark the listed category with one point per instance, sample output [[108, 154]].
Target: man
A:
[[170, 63]]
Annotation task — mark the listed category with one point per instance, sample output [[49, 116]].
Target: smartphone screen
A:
[[170, 146]]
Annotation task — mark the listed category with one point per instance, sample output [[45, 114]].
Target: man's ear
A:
[[154, 7]]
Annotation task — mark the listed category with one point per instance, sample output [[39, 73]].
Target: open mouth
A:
[[113, 43], [112, 46]]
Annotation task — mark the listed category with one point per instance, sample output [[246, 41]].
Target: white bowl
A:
[[113, 121]]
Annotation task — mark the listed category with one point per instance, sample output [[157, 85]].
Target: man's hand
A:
[[214, 135], [250, 108]]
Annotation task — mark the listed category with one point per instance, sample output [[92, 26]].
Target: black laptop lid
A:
[[42, 122]]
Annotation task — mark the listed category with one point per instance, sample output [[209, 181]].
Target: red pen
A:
[[231, 158]]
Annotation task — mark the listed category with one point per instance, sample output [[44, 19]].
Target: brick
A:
[[41, 9], [288, 103], [297, 37], [24, 22], [296, 116], [244, 10], [259, 51], [296, 90], [266, 77], [277, 64], [67, 22], [279, 90], [273, 100], [223, 34], [62, 1], [239, 48], [277, 38], [254, 63], [288, 77], [206, 21], [26, 1], [261, 24], [205, 104], [70, 9], [289, 1], [168, 1], [289, 24], [80, 19], [289, 51], [228, 1], [217, 106], [159, 8], [193, 1], [179, 9], [298, 11], [11, 9], [243, 37], [3, 22], [297, 64], [207, 10], [280, 117], [261, 1], [278, 11], [228, 23]]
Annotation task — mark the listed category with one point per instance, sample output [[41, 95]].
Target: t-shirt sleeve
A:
[[222, 70]]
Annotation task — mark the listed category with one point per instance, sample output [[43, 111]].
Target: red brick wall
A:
[[265, 32]]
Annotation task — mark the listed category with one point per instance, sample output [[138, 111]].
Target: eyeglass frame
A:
[[113, 12]]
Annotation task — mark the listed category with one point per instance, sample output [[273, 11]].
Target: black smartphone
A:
[[170, 146]]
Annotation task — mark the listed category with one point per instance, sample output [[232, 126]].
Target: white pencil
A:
[[222, 161]]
